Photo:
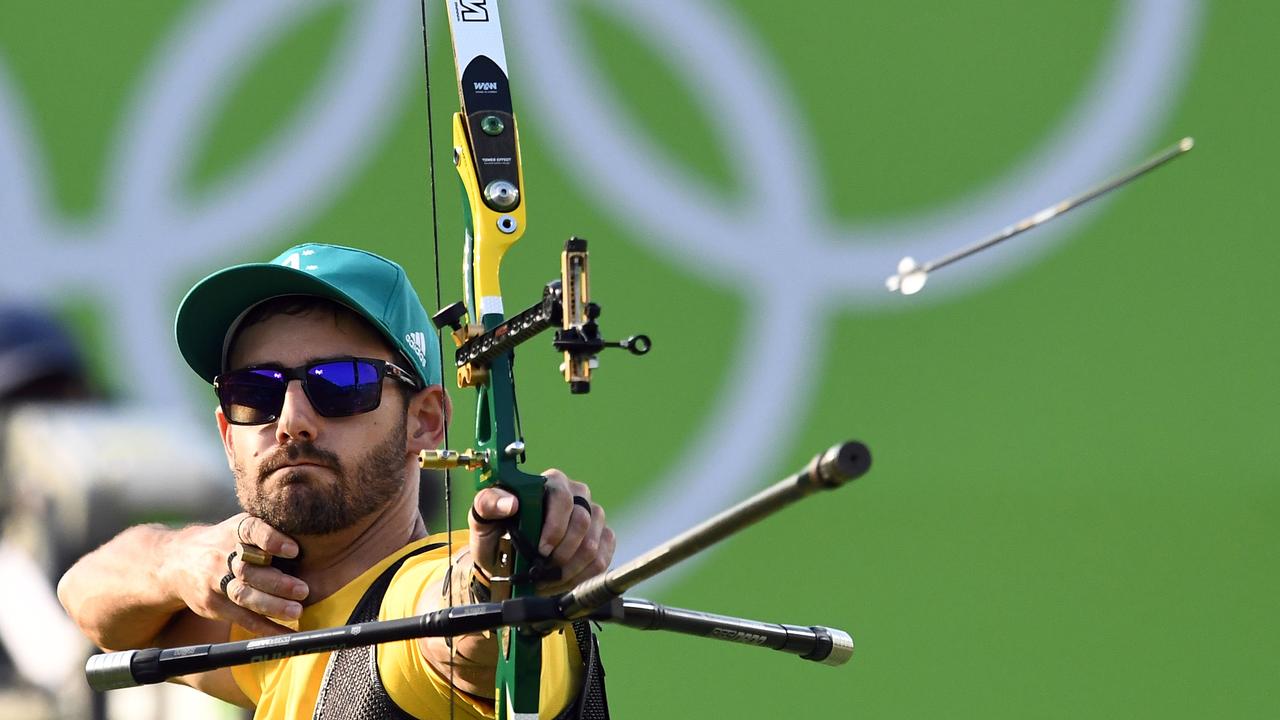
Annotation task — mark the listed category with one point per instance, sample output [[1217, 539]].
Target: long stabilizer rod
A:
[[827, 471], [911, 276]]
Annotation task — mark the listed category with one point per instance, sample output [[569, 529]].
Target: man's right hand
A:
[[196, 563], [154, 586]]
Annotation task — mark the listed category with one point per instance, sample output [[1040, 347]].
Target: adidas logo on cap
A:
[[418, 341]]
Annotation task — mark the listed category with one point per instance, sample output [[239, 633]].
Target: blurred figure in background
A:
[[39, 649], [39, 360], [72, 475]]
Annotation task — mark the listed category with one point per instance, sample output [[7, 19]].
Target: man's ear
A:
[[428, 415], [224, 429]]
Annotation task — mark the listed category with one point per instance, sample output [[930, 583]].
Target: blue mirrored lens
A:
[[251, 397], [344, 387]]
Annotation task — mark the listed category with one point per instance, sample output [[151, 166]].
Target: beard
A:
[[302, 505]]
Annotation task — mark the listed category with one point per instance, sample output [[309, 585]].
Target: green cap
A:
[[372, 286]]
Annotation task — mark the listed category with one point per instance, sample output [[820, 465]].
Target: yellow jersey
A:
[[287, 689]]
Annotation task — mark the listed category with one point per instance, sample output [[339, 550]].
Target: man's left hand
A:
[[574, 538]]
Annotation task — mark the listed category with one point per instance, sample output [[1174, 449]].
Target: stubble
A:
[[301, 504]]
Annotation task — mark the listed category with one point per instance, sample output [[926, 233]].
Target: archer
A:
[[327, 469]]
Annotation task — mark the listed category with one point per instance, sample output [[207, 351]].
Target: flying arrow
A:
[[912, 276]]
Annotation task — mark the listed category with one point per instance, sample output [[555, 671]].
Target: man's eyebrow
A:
[[312, 360], [254, 366]]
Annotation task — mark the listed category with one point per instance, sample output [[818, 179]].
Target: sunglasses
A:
[[336, 388]]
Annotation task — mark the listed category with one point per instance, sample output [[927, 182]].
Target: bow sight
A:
[[565, 302]]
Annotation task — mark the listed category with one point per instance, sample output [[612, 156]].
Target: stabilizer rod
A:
[[828, 646], [129, 668], [828, 470]]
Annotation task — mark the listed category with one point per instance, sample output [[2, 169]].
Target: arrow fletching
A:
[[910, 278]]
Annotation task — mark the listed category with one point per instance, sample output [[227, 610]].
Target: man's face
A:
[[306, 474]]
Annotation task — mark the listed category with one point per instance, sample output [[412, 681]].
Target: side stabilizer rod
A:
[[129, 668], [826, 645]]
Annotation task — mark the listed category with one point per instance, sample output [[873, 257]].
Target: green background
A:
[[1073, 505]]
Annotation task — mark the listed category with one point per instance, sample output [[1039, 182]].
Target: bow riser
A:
[[520, 653]]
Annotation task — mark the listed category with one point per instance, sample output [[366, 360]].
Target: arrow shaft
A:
[[1047, 214]]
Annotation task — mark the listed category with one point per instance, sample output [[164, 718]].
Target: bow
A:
[[487, 157], [486, 154]]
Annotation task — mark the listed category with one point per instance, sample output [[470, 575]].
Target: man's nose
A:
[[298, 419]]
